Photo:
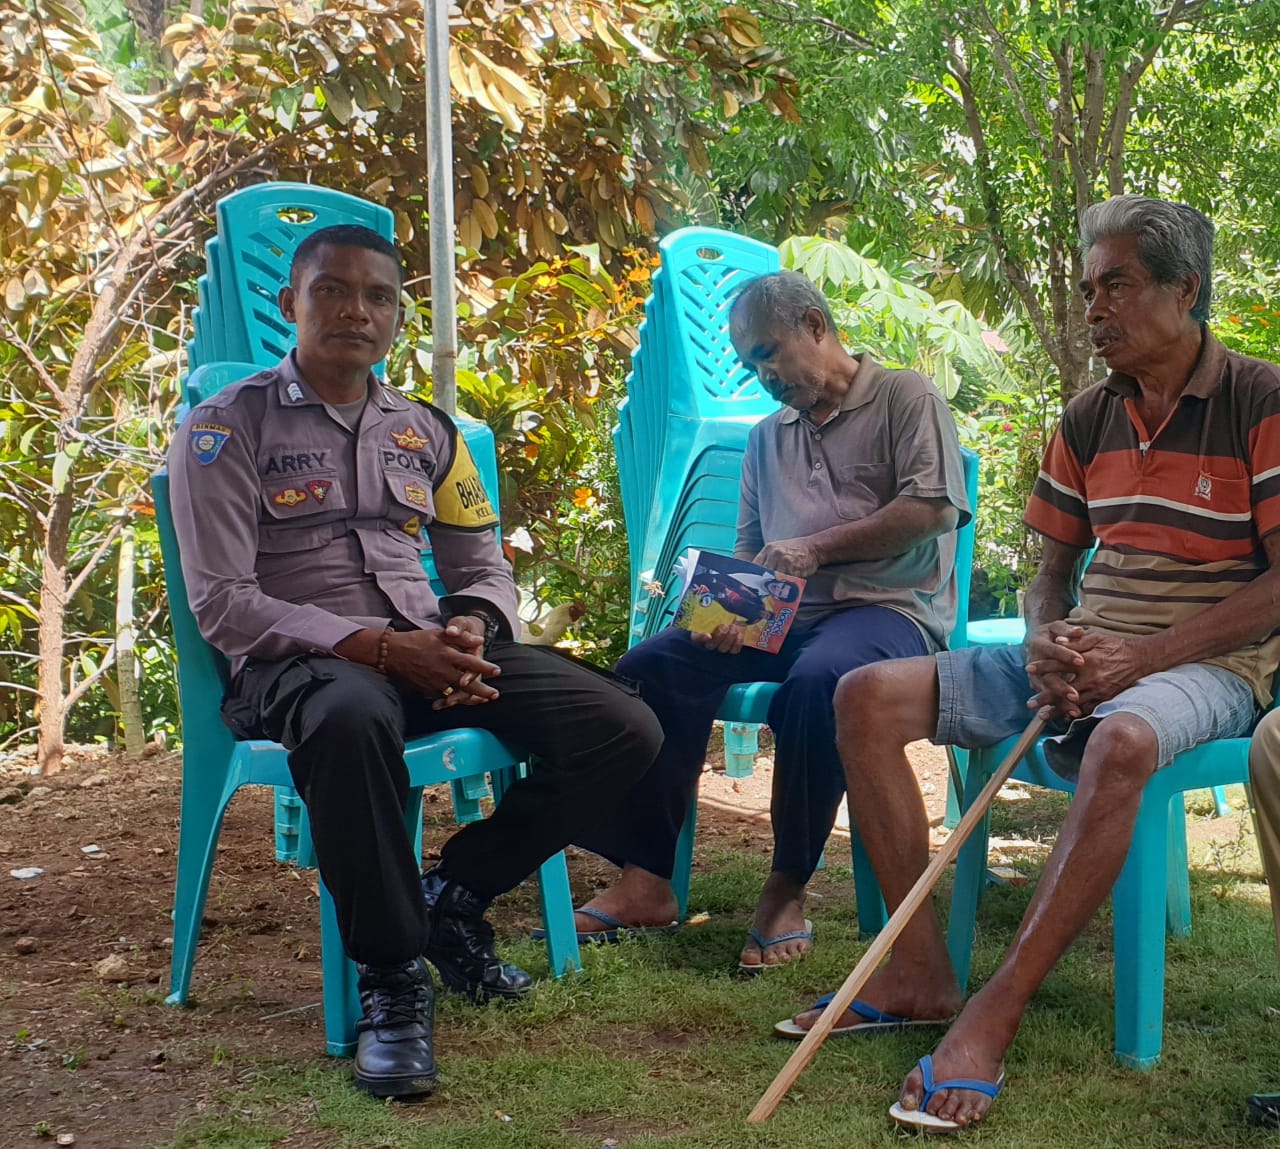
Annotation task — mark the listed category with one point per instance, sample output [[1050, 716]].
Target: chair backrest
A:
[[703, 270], [259, 229]]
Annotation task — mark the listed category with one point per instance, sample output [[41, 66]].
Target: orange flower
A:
[[583, 497]]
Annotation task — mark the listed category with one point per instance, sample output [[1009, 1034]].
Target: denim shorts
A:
[[983, 693]]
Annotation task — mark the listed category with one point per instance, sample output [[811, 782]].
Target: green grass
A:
[[658, 1044]]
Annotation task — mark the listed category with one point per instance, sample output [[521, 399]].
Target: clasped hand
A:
[[445, 662], [1074, 668]]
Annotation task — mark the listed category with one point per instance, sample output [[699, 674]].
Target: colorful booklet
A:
[[717, 589]]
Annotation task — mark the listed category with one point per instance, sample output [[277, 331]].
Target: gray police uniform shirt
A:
[[893, 435], [297, 531]]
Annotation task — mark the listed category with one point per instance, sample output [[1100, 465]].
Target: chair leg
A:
[[305, 858], [1221, 807], [1139, 910], [198, 833], [1178, 871], [957, 767], [683, 869], [339, 975], [871, 910], [741, 745], [970, 876], [556, 900]]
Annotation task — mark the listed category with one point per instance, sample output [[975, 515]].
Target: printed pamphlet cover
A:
[[718, 589]]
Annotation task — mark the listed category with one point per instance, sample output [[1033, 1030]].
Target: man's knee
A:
[[652, 660], [351, 712], [1121, 753], [641, 729], [895, 700]]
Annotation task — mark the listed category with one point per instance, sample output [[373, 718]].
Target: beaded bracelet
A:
[[384, 640]]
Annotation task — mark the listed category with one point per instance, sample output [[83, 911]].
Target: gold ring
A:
[[448, 690]]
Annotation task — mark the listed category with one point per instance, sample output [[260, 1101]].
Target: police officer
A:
[[303, 498]]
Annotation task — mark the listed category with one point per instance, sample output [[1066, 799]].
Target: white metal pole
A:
[[444, 311]]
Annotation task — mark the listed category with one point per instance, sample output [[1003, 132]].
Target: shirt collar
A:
[[1206, 377], [866, 382], [294, 390]]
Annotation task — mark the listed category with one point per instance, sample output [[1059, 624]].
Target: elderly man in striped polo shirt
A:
[[1172, 463]]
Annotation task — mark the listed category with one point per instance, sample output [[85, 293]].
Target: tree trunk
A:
[[53, 613], [126, 663]]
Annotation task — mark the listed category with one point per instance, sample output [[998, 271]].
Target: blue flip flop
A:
[[764, 943], [614, 931], [873, 1021], [926, 1122]]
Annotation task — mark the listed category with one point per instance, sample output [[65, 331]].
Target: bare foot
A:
[[974, 1047], [637, 898], [780, 911], [925, 991]]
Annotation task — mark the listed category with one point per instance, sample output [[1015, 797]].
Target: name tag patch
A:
[[207, 439]]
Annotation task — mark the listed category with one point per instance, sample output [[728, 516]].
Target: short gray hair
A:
[[785, 296], [1175, 240]]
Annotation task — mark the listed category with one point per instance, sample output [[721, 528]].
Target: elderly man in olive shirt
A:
[[857, 485]]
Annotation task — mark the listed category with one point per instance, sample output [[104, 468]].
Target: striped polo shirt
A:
[[1179, 518]]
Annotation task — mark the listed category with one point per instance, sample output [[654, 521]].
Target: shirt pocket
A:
[[299, 511], [411, 506], [861, 488]]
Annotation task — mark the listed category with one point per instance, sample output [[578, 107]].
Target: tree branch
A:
[[37, 364], [82, 688], [1013, 269], [85, 571]]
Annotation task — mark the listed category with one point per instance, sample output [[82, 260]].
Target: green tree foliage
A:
[[117, 145], [972, 134]]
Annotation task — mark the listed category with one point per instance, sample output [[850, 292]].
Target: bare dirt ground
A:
[[87, 1048]]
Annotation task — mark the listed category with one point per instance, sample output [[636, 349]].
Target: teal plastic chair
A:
[[1150, 896], [215, 766], [259, 228], [689, 407]]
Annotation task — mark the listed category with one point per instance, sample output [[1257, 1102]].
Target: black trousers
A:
[[345, 727]]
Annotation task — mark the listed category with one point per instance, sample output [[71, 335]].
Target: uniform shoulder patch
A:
[[207, 440]]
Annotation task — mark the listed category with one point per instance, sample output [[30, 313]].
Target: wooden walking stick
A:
[[884, 941]]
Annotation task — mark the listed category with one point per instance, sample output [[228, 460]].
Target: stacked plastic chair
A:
[[681, 434], [690, 404], [237, 331]]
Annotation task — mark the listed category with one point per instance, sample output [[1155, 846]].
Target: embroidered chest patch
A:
[[1204, 488], [319, 489], [412, 526], [416, 495], [207, 439], [289, 497], [408, 439]]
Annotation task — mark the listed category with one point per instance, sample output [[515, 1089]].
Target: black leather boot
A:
[[460, 943], [394, 1057]]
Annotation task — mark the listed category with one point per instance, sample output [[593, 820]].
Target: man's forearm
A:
[[891, 531], [1049, 598], [1248, 616]]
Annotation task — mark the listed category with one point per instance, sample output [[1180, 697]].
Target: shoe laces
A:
[[397, 1004]]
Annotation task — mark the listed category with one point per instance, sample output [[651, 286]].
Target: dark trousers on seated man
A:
[[685, 684], [345, 727]]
